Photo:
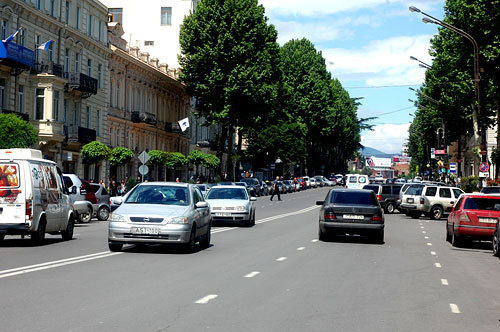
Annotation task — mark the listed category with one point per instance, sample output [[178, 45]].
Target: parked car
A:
[[82, 197], [328, 182], [490, 190], [302, 183], [289, 186], [313, 183], [264, 188], [203, 188], [319, 181], [232, 204], [432, 201], [308, 182], [474, 217], [161, 212], [340, 180], [387, 195], [103, 201], [253, 185], [33, 197], [353, 211]]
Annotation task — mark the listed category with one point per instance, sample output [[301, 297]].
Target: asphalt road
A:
[[275, 276]]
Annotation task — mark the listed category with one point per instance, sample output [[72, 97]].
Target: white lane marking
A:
[[444, 282], [429, 244], [51, 266], [427, 221], [424, 232], [426, 237], [433, 253], [437, 265], [287, 214], [206, 299], [300, 248], [252, 274], [281, 259], [454, 308], [422, 227], [76, 234], [314, 240]]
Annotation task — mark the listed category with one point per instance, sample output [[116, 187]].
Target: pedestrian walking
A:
[[276, 189]]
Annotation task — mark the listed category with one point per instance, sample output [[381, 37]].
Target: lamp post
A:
[[477, 115], [420, 63]]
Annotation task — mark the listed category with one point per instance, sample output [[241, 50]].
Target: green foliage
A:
[[158, 158], [211, 161], [94, 152], [120, 156], [367, 171], [175, 159], [470, 184], [131, 183], [196, 158], [16, 133], [217, 179], [495, 157]]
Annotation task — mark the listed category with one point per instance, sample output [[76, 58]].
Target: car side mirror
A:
[[253, 199], [201, 205], [117, 200], [497, 207], [73, 190], [320, 202]]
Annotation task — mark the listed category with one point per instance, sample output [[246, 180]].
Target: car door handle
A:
[[452, 202]]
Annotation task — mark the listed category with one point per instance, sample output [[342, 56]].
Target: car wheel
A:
[[115, 247], [389, 207], [68, 233], [2, 236], [448, 235], [496, 244], [85, 217], [436, 213], [379, 237], [190, 246], [322, 236], [205, 242], [252, 222], [103, 213], [415, 214], [456, 241], [38, 236]]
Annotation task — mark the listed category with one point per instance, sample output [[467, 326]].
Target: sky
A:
[[367, 45]]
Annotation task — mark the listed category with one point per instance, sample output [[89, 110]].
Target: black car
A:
[[254, 186], [490, 190], [353, 211], [387, 195]]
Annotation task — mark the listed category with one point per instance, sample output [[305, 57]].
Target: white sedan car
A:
[[231, 204]]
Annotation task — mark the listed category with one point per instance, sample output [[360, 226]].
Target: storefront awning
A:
[[16, 56]]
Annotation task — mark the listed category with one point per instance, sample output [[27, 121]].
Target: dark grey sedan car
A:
[[353, 212]]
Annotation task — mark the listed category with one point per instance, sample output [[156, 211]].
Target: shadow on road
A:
[[228, 224], [161, 249], [18, 242], [352, 239]]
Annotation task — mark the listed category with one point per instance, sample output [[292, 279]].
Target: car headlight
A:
[[240, 208], [178, 220], [117, 218]]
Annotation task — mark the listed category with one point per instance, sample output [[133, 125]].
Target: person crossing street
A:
[[276, 189]]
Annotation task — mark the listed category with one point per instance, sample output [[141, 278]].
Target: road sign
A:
[[440, 152], [143, 169], [433, 154], [483, 174], [484, 167], [144, 157], [453, 168]]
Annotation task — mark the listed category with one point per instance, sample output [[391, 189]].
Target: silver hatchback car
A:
[[160, 212], [232, 204]]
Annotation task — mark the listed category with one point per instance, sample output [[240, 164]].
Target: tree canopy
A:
[[120, 156], [16, 133], [95, 152]]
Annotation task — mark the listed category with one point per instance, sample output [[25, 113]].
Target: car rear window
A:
[[372, 188], [353, 179], [491, 190], [414, 190], [396, 190], [475, 203], [353, 198], [386, 190], [9, 176]]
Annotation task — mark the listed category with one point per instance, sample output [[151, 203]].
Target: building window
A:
[[88, 116], [149, 43], [111, 94], [20, 99], [117, 137], [166, 15], [111, 136], [55, 106], [99, 76], [67, 12], [98, 124], [76, 109], [77, 18], [21, 38], [89, 67], [90, 25], [40, 99], [52, 7], [5, 29], [37, 51], [116, 15], [118, 95], [39, 4], [99, 33], [51, 52], [66, 60], [65, 112], [77, 62]]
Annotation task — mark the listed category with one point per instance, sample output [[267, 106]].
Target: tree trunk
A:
[[477, 139], [238, 149], [230, 144], [498, 133], [221, 148]]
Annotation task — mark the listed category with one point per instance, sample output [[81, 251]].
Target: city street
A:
[[275, 276]]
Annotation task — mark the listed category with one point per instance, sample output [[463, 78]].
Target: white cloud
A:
[[319, 31], [381, 62], [388, 138]]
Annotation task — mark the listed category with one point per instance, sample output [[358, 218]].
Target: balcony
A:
[[24, 116], [50, 68], [81, 82], [79, 134], [144, 117], [49, 132], [173, 127]]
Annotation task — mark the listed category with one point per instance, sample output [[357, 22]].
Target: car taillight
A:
[[464, 218], [28, 207], [379, 197], [421, 200], [377, 218], [330, 215], [109, 202]]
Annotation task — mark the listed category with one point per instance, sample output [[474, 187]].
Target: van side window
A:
[[37, 176], [431, 191], [386, 190], [445, 192], [396, 190], [51, 178]]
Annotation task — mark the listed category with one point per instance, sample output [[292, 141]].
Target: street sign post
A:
[[144, 157], [484, 167], [433, 154], [453, 168], [143, 169]]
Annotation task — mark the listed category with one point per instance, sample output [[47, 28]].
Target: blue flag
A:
[[45, 46], [9, 39]]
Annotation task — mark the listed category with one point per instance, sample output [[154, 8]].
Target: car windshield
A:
[[227, 193], [247, 181], [202, 187], [352, 198], [414, 190], [475, 203], [164, 195], [491, 190]]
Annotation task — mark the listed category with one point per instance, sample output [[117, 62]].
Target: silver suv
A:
[[433, 201]]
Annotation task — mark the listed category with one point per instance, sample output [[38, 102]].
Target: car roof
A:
[[345, 190], [228, 186], [173, 184]]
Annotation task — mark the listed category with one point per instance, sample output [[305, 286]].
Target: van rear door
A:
[[12, 195]]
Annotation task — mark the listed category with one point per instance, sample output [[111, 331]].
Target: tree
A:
[[94, 152], [175, 159], [211, 161], [16, 133], [159, 159], [229, 60], [120, 156], [196, 158], [367, 171]]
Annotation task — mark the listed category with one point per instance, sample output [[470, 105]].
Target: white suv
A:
[[433, 201]]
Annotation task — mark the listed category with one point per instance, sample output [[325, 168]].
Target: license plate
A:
[[223, 214], [353, 217], [488, 220], [409, 200], [146, 230]]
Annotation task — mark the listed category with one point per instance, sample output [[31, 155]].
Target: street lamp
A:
[[421, 63], [476, 118], [432, 100]]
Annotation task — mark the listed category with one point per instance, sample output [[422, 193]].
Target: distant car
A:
[[474, 217], [313, 183], [103, 201], [490, 190], [161, 212], [328, 182], [387, 195], [353, 211], [319, 181], [83, 198], [253, 185], [308, 181], [302, 183], [232, 204], [356, 181], [289, 186]]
